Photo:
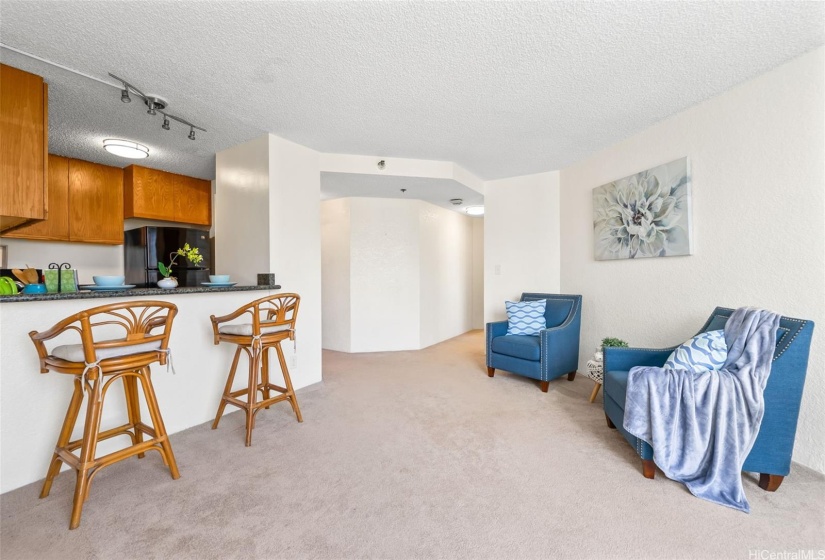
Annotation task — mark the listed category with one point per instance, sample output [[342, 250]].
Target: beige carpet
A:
[[410, 455]]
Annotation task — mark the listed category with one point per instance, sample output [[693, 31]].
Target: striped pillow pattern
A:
[[525, 317], [706, 351]]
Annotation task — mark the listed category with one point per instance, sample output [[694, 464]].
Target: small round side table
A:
[[595, 371]]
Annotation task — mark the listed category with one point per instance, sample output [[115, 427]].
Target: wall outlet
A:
[[293, 361], [497, 270]]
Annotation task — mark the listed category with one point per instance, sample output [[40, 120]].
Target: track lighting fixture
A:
[[156, 105]]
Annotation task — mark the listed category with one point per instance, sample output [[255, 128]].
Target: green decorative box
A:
[[68, 280]]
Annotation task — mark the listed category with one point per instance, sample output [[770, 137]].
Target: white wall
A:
[[335, 275], [87, 258], [478, 273], [411, 274], [384, 294], [295, 244], [242, 211], [756, 154], [446, 271], [521, 239]]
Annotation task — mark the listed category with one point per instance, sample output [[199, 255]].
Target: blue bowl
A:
[[219, 278], [34, 289], [109, 280]]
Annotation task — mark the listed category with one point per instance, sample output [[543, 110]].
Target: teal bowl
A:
[[34, 289], [109, 280]]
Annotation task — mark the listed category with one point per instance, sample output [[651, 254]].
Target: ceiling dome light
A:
[[475, 210], [125, 148]]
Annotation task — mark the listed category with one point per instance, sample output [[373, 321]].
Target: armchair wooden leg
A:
[[648, 468], [544, 386], [610, 423], [770, 482], [491, 371], [596, 387], [571, 376]]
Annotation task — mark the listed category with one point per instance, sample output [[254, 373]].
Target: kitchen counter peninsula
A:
[[32, 406], [133, 292]]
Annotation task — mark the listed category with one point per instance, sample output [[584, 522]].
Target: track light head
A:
[[165, 125], [191, 133], [124, 96], [151, 110]]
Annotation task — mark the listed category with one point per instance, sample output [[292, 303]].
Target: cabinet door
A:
[[23, 146], [56, 226], [149, 194], [193, 201], [95, 203]]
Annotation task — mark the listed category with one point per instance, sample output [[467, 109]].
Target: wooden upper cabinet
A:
[[56, 226], [159, 195], [193, 201], [95, 203], [147, 194], [24, 146]]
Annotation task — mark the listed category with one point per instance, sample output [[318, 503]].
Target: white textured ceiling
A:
[[434, 191], [501, 88]]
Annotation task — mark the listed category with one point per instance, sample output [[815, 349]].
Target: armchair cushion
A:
[[524, 347], [525, 317], [706, 351]]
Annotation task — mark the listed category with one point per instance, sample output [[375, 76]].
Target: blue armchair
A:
[[551, 354], [771, 453]]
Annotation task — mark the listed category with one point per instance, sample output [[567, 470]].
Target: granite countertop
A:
[[88, 294]]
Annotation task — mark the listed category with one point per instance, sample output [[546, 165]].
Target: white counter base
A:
[[33, 405]]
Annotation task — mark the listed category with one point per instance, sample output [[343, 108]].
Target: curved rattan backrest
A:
[[271, 311], [131, 322]]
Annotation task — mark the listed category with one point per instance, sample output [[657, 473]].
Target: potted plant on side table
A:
[[595, 367], [168, 281]]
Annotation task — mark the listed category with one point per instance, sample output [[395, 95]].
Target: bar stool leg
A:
[[87, 453], [228, 388], [251, 394], [65, 436], [266, 392], [133, 409], [157, 421], [289, 391]]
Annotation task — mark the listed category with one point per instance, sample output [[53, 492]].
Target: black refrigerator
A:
[[144, 247]]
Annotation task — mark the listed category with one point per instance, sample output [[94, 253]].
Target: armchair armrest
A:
[[216, 321], [622, 359]]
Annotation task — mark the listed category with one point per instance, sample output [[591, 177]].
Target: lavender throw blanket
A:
[[703, 425]]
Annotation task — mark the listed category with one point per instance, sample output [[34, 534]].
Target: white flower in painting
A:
[[639, 216]]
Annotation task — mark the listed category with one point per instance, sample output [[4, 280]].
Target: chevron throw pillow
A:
[[525, 317], [706, 351]]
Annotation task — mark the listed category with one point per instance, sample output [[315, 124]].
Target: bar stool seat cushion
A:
[[245, 329], [74, 352]]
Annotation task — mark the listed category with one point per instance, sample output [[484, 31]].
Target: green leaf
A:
[[165, 272]]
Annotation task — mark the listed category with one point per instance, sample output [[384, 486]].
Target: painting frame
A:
[[645, 215]]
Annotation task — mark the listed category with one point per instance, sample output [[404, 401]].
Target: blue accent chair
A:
[[551, 354], [771, 453]]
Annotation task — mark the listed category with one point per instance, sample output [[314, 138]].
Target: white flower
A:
[[638, 216]]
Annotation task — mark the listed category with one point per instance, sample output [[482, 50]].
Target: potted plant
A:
[[169, 282], [614, 342]]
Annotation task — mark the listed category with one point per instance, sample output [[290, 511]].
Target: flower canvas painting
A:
[[644, 215]]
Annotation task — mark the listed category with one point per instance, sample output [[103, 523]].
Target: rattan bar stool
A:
[[96, 363], [273, 321]]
